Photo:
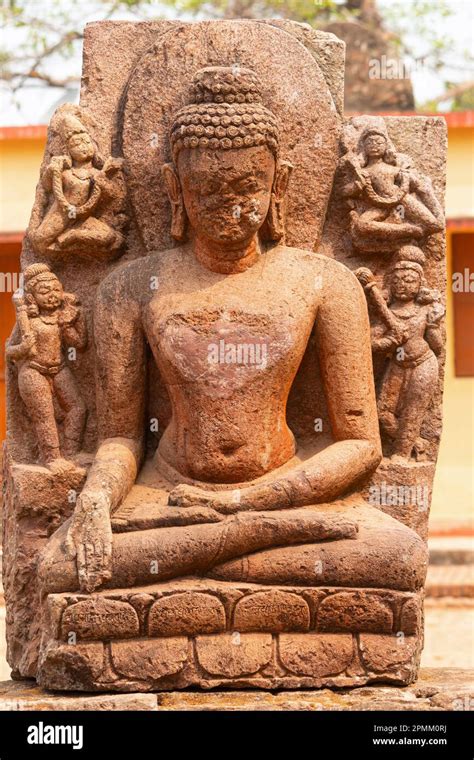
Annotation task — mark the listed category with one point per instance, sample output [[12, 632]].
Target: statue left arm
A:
[[433, 334], [343, 331], [73, 323]]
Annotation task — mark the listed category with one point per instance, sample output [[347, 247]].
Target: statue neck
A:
[[226, 259]]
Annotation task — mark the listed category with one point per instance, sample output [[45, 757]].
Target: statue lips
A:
[[224, 354]]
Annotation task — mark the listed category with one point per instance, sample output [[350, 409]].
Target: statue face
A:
[[405, 284], [81, 147], [375, 146], [226, 193], [48, 294]]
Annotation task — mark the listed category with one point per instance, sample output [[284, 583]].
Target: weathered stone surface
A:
[[271, 611], [354, 611], [75, 667], [187, 614], [316, 655], [382, 654], [99, 618], [327, 49], [411, 616], [34, 503], [423, 140], [403, 491], [435, 690], [149, 660], [21, 696], [40, 493], [233, 655]]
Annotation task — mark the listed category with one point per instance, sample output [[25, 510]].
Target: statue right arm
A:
[[120, 384]]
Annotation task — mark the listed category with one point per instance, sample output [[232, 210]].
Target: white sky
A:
[[34, 104]]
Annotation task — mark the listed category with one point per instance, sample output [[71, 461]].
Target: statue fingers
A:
[[82, 567], [227, 507], [93, 565], [70, 544], [102, 562], [187, 496], [196, 515]]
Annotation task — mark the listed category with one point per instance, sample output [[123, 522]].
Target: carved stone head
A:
[[406, 277], [226, 181], [43, 290]]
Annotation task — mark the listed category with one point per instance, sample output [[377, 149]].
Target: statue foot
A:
[[62, 466], [399, 459], [188, 496]]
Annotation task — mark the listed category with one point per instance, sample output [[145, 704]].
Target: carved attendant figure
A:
[[389, 199], [231, 278], [86, 213], [49, 321], [412, 340]]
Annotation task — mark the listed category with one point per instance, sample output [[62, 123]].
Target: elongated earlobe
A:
[[274, 226], [178, 212]]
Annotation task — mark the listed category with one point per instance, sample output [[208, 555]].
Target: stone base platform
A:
[[231, 660], [437, 689], [213, 634]]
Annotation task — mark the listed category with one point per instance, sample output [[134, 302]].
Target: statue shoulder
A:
[[320, 265], [131, 280]]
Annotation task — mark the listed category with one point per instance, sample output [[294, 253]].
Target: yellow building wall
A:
[[20, 161], [453, 494], [460, 173]]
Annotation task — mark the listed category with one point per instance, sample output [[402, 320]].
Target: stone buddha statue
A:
[[235, 523], [237, 481]]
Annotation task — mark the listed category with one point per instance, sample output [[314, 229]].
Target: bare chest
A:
[[47, 339], [222, 340], [77, 188]]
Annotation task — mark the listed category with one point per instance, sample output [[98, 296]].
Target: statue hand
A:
[[69, 313], [89, 540], [112, 165], [27, 343], [60, 163], [399, 334], [184, 495], [435, 314], [365, 277]]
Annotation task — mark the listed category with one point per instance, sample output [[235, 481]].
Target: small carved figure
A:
[[88, 195], [412, 340], [391, 203], [49, 321]]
